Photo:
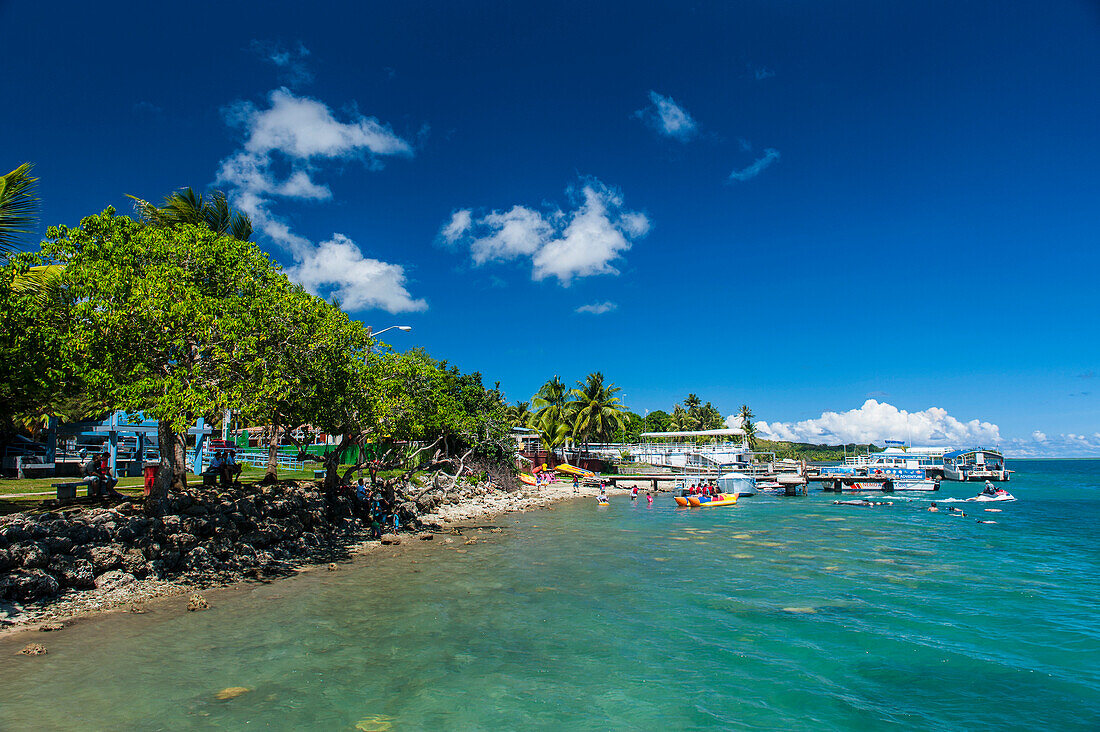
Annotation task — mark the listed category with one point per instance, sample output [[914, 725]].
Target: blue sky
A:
[[799, 206]]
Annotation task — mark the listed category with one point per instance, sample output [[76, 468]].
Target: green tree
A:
[[597, 413], [299, 343], [159, 320], [553, 419], [520, 415], [33, 374], [658, 421], [185, 206], [681, 420], [747, 416]]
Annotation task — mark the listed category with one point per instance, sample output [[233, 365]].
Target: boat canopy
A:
[[973, 451], [730, 432]]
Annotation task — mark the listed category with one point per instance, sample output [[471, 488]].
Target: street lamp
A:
[[372, 334]]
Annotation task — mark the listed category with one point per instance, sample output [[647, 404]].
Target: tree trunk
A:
[[271, 474], [332, 467], [172, 475]]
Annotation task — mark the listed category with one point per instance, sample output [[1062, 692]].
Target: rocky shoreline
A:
[[61, 564]]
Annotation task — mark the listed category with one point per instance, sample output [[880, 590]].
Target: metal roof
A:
[[696, 433]]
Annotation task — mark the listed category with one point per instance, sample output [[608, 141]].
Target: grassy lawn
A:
[[129, 486]]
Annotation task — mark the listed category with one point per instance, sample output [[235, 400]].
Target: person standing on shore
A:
[[576, 484]]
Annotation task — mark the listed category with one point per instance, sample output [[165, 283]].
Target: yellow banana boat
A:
[[722, 499]]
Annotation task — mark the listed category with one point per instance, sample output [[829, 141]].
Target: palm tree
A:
[[747, 416], [519, 414], [597, 412], [680, 420], [552, 415], [187, 207], [18, 206]]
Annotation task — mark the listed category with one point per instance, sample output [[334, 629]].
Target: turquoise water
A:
[[778, 612]]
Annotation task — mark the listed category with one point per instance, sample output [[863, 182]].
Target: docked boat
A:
[[975, 464], [913, 480], [737, 484], [893, 461]]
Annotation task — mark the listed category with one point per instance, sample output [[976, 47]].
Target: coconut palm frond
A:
[[18, 206]]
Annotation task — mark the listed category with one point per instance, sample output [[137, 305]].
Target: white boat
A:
[[737, 484], [896, 460], [895, 484], [975, 464]]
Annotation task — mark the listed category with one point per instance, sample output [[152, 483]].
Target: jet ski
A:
[[999, 494]]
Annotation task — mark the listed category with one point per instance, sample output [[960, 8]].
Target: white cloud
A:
[[1069, 444], [518, 231], [302, 133], [668, 117], [459, 224], [337, 268], [877, 421], [581, 242], [597, 308], [289, 61], [303, 128], [757, 166]]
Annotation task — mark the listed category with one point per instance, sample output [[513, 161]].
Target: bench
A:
[[68, 490]]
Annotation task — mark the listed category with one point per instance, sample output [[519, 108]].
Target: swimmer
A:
[[933, 507], [649, 499], [986, 522]]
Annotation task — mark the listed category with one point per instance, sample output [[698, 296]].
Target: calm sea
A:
[[776, 613]]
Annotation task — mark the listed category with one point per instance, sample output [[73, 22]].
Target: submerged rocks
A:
[[34, 649], [196, 603], [391, 539], [231, 692]]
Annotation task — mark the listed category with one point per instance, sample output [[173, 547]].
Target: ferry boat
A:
[[894, 461], [975, 464], [904, 481]]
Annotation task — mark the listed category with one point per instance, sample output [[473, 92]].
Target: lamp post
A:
[[372, 334]]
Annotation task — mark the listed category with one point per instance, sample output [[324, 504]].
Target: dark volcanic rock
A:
[[104, 558], [71, 572], [28, 584], [114, 580]]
